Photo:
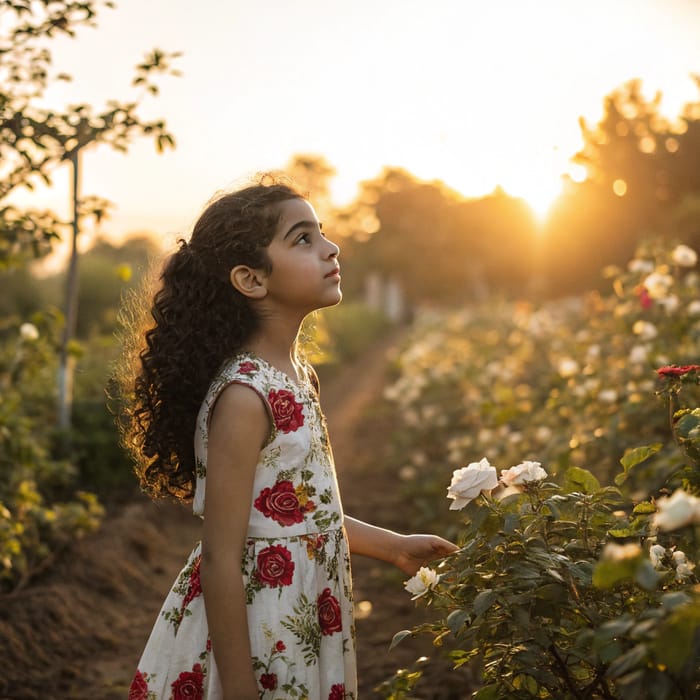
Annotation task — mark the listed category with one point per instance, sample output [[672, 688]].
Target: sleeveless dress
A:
[[296, 565]]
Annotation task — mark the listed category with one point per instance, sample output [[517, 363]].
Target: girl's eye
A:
[[304, 238]]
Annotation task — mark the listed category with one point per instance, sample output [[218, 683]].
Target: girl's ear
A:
[[248, 281]]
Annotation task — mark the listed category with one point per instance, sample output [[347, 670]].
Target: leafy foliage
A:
[[41, 509], [35, 140]]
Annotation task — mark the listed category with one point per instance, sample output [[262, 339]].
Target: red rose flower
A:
[[280, 503], [337, 692], [676, 371], [287, 413], [268, 681], [280, 646], [247, 367], [194, 587], [329, 613], [138, 690], [275, 566], [644, 299], [188, 685]]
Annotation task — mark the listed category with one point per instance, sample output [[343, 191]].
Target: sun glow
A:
[[482, 105]]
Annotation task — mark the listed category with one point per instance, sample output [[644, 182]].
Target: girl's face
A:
[[305, 272]]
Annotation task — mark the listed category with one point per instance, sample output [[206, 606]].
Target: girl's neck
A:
[[276, 343]]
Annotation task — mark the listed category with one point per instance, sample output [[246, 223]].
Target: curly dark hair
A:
[[197, 320]]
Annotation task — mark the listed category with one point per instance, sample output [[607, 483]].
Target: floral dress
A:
[[296, 565]]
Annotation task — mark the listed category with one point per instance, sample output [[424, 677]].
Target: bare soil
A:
[[78, 633]]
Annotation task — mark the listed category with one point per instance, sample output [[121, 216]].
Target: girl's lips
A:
[[334, 273]]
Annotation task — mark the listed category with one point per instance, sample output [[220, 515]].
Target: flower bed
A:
[[576, 573]]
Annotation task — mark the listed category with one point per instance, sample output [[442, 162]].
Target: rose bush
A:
[[41, 511], [580, 583], [575, 590], [567, 384]]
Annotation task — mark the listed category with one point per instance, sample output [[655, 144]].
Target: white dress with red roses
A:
[[296, 566]]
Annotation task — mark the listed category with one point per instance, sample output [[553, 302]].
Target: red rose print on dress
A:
[[189, 685], [275, 566], [329, 613], [337, 692], [247, 367], [268, 681], [281, 503], [194, 587], [280, 646], [286, 412], [138, 690]]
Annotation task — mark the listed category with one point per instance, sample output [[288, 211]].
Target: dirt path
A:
[[78, 635]]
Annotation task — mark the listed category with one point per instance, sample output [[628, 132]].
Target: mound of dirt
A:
[[97, 604]]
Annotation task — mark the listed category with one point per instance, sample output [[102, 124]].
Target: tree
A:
[[642, 177], [34, 141]]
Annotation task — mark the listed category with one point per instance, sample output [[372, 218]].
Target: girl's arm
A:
[[238, 428], [407, 552]]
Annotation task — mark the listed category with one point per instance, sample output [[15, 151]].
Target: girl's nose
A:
[[333, 249]]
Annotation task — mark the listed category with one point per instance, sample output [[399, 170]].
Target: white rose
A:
[[640, 266], [679, 557], [607, 396], [424, 580], [543, 433], [568, 367], [645, 330], [694, 308], [638, 355], [678, 510], [684, 571], [619, 552], [684, 256], [656, 554], [593, 352], [468, 482], [657, 284], [670, 303], [523, 473], [408, 473], [28, 332]]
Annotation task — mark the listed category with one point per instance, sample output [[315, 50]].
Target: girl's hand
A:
[[417, 550]]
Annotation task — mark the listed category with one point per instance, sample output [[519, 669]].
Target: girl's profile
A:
[[225, 414]]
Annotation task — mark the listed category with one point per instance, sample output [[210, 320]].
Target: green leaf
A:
[[581, 479], [644, 508], [551, 592], [488, 692], [609, 573], [646, 575], [399, 637], [456, 619], [483, 601], [622, 532], [673, 599], [675, 637], [637, 455], [625, 663]]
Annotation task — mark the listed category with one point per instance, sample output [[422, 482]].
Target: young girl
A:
[[263, 607]]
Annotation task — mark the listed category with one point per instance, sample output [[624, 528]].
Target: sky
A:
[[476, 94]]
